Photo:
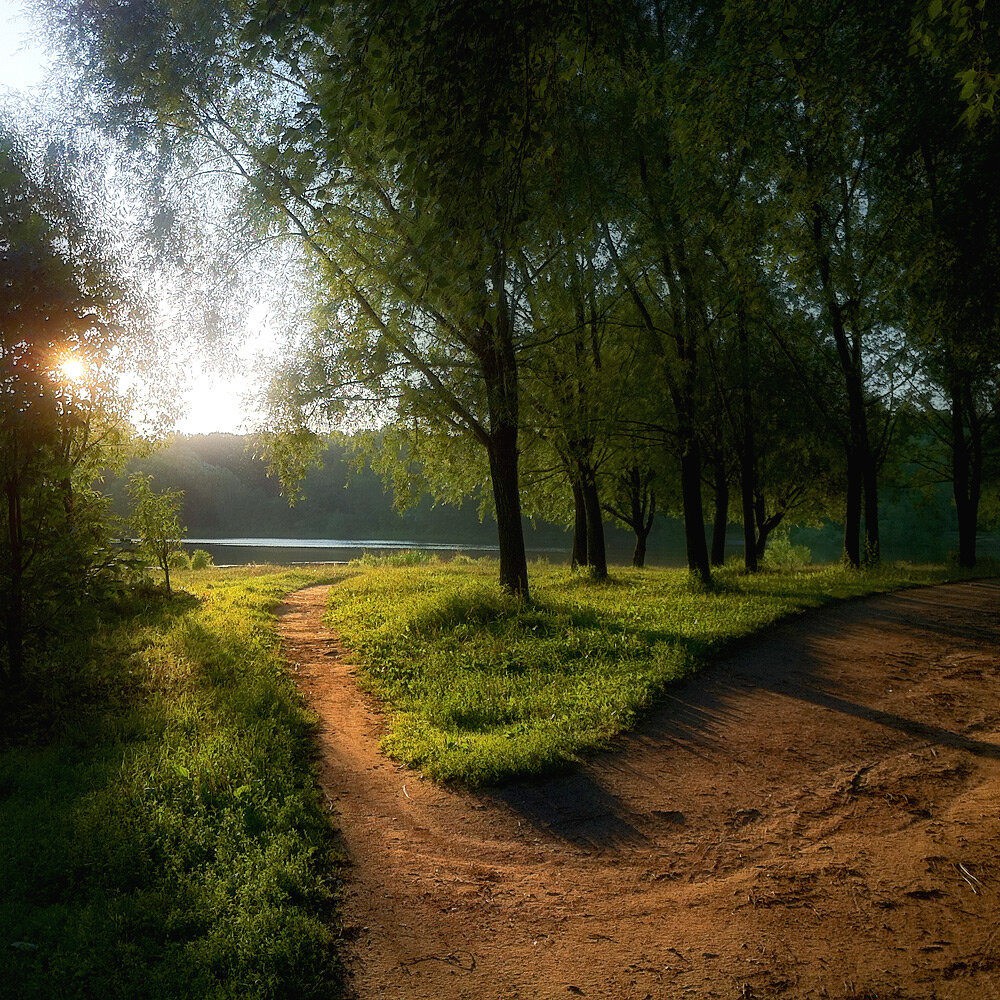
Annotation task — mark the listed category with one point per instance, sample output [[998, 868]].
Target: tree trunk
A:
[[642, 529], [498, 363], [966, 465], [579, 557], [639, 552], [595, 525], [694, 514], [748, 458], [503, 457], [852, 511], [765, 525], [869, 478], [14, 612], [862, 472], [721, 519]]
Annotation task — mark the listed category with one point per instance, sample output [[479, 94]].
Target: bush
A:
[[179, 560], [781, 554], [200, 559]]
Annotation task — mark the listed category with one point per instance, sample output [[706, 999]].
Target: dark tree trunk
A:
[[642, 529], [721, 519], [869, 479], [596, 550], [579, 527], [862, 471], [966, 451], [498, 363], [639, 552], [748, 457], [852, 511], [862, 475], [748, 487], [639, 512], [694, 514], [765, 525], [14, 612], [507, 500]]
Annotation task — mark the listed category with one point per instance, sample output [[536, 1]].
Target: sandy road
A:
[[815, 816]]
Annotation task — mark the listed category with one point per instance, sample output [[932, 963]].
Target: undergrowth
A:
[[160, 836], [482, 688]]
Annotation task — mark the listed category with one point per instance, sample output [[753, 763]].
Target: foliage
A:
[[159, 823], [62, 419], [705, 238], [200, 559], [782, 554], [156, 522], [482, 687]]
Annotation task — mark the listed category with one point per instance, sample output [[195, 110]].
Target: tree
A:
[[406, 145], [156, 522], [61, 420], [941, 178]]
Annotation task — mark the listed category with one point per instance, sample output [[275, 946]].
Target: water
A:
[[243, 551]]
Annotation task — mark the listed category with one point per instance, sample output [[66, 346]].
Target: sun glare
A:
[[73, 368]]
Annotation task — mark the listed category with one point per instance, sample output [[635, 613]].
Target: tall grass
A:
[[167, 842], [482, 688]]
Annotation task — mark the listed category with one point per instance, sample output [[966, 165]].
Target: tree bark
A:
[[765, 525], [721, 519], [966, 470], [503, 455], [642, 529], [694, 513], [748, 457], [498, 363], [596, 550], [852, 511], [14, 612], [862, 471], [579, 557]]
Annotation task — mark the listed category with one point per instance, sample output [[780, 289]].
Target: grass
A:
[[481, 688], [160, 834]]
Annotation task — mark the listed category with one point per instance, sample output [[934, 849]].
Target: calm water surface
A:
[[244, 551]]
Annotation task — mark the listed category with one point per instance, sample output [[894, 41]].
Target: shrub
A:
[[781, 554], [200, 559]]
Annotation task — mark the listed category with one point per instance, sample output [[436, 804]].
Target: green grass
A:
[[160, 834], [482, 688]]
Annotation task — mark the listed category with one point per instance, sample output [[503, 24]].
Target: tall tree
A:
[[406, 146], [61, 306]]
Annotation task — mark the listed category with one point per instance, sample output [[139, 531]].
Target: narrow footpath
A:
[[817, 815]]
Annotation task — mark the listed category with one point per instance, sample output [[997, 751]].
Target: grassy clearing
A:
[[482, 688], [160, 835]]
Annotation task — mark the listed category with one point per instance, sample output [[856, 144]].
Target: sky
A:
[[214, 401]]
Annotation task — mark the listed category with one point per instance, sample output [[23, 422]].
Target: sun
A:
[[74, 369]]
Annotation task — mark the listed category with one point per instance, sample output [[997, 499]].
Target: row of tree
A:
[[627, 253]]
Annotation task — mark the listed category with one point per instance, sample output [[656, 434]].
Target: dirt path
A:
[[816, 816]]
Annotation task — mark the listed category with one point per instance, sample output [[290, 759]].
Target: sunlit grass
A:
[[482, 688], [168, 842]]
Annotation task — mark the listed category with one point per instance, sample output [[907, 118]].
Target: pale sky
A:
[[214, 402]]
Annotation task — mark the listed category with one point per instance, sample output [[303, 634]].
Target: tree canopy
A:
[[567, 249]]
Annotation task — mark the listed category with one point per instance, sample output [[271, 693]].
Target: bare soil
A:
[[816, 815]]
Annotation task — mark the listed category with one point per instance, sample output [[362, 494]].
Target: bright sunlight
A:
[[73, 368]]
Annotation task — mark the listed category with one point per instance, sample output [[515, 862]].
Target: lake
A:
[[243, 551]]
